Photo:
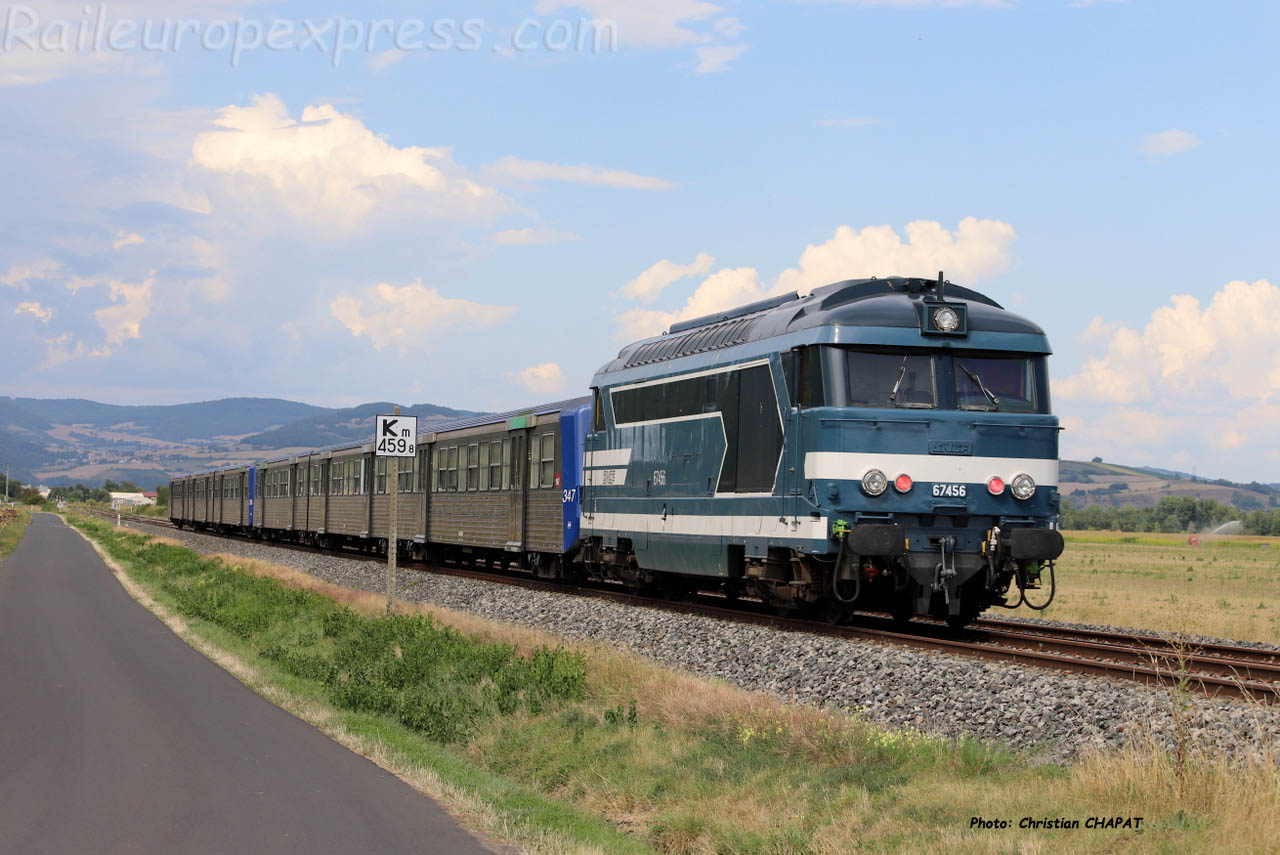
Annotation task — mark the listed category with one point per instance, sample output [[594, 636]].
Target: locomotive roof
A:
[[870, 311]]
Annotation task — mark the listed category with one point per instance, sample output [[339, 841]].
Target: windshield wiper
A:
[[902, 372], [977, 381]]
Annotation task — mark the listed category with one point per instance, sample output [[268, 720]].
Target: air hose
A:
[[835, 577], [1022, 591]]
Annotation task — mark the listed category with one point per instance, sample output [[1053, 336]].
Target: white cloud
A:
[[59, 350], [1169, 142], [1196, 380], [975, 250], [405, 316], [1227, 349], [331, 170], [124, 239], [648, 285], [130, 305], [34, 308], [854, 122], [723, 289], [533, 237], [730, 28], [544, 379], [534, 171], [713, 59], [20, 274], [649, 24], [386, 59]]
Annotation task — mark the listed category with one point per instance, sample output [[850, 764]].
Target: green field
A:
[[1225, 586]]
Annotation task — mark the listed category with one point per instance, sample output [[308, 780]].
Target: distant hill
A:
[[171, 422], [1110, 484], [352, 424], [71, 441]]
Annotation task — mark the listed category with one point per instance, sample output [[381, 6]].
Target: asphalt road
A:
[[116, 737]]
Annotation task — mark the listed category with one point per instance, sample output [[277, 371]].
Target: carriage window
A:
[[891, 380], [495, 465], [473, 467], [422, 470], [484, 466], [317, 479], [405, 480], [507, 483], [548, 460], [380, 476], [535, 454], [1006, 384]]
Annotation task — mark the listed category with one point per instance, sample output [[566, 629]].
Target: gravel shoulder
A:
[[1051, 713]]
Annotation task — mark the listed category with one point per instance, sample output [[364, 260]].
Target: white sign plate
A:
[[395, 436]]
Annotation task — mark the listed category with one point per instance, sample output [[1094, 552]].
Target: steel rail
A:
[[1214, 669]]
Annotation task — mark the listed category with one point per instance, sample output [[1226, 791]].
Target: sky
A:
[[478, 204]]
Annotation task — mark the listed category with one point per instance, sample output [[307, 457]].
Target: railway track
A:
[[1214, 669]]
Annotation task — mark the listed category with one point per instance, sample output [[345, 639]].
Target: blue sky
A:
[[483, 225]]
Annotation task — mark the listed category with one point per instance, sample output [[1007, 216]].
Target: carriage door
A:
[[517, 488]]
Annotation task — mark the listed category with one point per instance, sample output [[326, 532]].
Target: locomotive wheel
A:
[[835, 612], [903, 609]]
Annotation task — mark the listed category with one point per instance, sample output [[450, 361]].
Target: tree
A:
[[162, 494]]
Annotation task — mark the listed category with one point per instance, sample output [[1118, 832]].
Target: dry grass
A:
[[1226, 586]]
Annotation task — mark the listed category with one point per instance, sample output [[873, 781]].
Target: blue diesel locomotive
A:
[[880, 443]]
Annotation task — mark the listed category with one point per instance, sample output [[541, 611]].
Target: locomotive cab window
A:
[[996, 383], [891, 379], [597, 413]]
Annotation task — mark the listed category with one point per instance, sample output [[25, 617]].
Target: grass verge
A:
[[581, 748], [13, 525]]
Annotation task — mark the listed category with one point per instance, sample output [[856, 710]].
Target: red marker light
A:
[[996, 485], [902, 483]]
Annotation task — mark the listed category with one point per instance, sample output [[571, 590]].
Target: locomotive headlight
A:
[[1023, 487], [874, 483], [946, 319]]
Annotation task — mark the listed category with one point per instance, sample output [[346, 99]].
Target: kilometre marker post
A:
[[394, 436]]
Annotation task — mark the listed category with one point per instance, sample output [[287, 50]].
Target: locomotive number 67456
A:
[[951, 491]]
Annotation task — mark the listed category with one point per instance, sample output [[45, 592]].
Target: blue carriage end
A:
[[574, 425]]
